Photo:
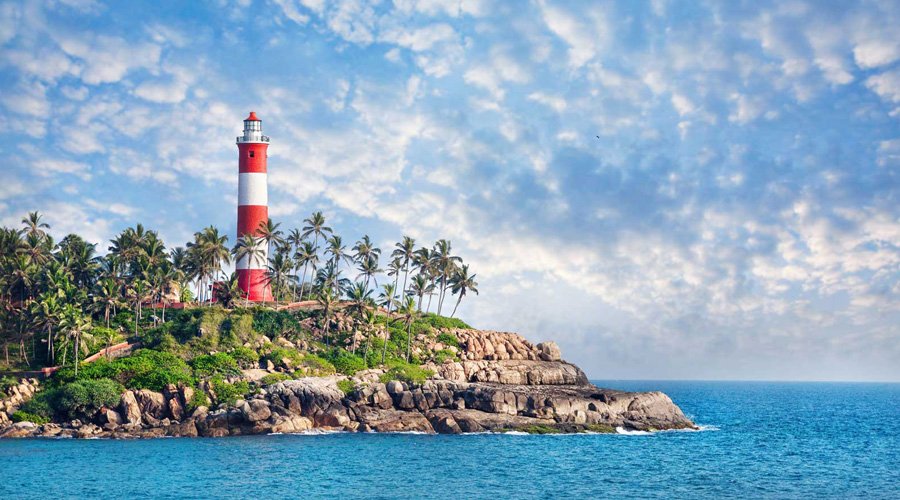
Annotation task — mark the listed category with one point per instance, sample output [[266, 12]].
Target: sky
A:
[[668, 190]]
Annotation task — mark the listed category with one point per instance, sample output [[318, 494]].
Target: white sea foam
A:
[[623, 431]]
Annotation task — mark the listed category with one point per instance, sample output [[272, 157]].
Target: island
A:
[[117, 346]]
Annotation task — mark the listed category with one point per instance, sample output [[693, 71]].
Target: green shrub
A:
[[346, 386], [215, 364], [145, 369], [41, 404], [274, 324], [197, 400], [245, 357], [405, 372], [444, 355], [441, 322], [6, 382], [238, 329], [229, 393], [279, 355], [274, 378], [345, 362], [448, 339], [24, 416], [84, 398], [316, 364]]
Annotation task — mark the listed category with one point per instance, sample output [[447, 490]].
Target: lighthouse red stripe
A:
[[249, 217], [255, 163], [253, 282]]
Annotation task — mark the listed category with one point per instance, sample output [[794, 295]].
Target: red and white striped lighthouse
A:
[[253, 207]]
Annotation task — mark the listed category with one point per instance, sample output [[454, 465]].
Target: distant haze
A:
[[667, 189]]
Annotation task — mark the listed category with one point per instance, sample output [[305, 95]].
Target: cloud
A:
[[886, 85], [107, 59]]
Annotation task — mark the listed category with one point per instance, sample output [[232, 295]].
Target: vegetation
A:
[[24, 416], [346, 386], [274, 378], [406, 372], [62, 301]]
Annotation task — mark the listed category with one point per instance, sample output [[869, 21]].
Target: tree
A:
[[139, 292], [34, 225], [307, 254], [461, 283], [269, 232], [315, 225], [328, 301], [368, 268], [405, 251], [444, 263], [74, 324], [394, 270], [408, 313], [388, 296], [420, 286], [107, 296], [295, 240], [249, 249]]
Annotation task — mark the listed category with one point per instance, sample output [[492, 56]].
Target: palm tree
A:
[[393, 269], [405, 251], [445, 263], [315, 225], [327, 300], [269, 232], [338, 250], [107, 297], [34, 226], [360, 299], [279, 272], [249, 249], [368, 268], [295, 240], [48, 309], [461, 283], [420, 286], [408, 314], [74, 324], [307, 254], [139, 292], [364, 248], [387, 296]]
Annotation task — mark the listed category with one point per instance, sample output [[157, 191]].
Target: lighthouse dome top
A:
[[252, 130]]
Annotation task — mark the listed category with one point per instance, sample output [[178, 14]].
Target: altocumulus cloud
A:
[[669, 189]]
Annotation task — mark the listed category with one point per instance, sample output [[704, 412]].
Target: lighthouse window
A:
[[251, 153]]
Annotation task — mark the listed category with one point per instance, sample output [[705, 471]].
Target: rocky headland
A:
[[496, 382]]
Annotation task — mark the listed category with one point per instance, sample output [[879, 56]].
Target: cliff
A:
[[500, 382]]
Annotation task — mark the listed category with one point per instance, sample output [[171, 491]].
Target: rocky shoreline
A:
[[500, 383]]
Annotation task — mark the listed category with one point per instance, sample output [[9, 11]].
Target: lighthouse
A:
[[253, 207]]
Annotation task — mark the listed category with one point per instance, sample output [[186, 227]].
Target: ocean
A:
[[759, 440]]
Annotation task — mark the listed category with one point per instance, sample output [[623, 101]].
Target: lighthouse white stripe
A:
[[252, 189], [258, 262]]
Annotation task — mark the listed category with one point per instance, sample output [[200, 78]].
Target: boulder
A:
[[152, 403], [19, 430], [129, 409], [549, 351], [292, 424], [256, 410]]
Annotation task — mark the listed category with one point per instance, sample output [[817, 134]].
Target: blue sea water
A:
[[762, 440]]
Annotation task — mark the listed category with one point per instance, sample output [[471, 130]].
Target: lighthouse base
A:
[[255, 285]]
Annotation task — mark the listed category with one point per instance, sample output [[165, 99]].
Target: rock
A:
[[19, 430], [270, 367], [110, 417], [549, 351], [256, 410], [187, 428], [292, 424], [129, 408], [443, 422], [87, 430], [151, 403]]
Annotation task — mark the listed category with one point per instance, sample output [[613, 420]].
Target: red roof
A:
[[252, 117]]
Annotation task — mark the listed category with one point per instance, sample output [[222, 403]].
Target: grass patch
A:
[[346, 386], [274, 378], [405, 372]]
